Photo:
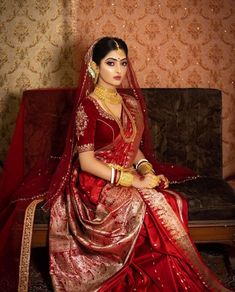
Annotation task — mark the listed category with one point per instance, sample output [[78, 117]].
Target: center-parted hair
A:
[[106, 45]]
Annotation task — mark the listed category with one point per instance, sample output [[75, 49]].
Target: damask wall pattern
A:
[[35, 51], [173, 43]]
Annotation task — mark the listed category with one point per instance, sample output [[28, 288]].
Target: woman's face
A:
[[113, 69]]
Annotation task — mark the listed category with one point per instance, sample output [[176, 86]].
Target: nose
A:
[[118, 67]]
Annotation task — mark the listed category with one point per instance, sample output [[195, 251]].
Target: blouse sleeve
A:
[[86, 117]]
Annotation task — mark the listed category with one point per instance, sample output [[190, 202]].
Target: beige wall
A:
[[173, 43], [35, 51]]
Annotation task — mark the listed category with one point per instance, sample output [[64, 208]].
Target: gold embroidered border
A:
[[81, 121], [86, 147], [171, 222], [26, 246], [179, 203]]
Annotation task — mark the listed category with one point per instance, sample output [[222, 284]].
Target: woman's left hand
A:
[[157, 180]]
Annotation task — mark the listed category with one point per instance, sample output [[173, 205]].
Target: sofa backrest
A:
[[185, 125]]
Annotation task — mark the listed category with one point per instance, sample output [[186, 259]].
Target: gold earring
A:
[[93, 69]]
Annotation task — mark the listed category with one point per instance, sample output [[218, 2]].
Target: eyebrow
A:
[[114, 59]]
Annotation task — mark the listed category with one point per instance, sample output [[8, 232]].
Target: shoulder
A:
[[87, 106]]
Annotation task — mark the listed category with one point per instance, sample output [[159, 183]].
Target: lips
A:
[[117, 77]]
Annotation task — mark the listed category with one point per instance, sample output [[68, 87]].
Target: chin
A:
[[114, 83], [117, 83]]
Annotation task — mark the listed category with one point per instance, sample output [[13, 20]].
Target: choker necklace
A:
[[107, 95]]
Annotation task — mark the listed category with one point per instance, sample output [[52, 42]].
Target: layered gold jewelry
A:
[[125, 179], [107, 95], [144, 166]]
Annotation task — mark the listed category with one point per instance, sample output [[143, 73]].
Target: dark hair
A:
[[106, 45]]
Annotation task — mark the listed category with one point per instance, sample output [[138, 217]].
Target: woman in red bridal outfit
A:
[[118, 227], [114, 223]]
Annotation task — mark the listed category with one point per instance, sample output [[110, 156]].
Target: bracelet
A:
[[116, 176], [139, 162], [112, 175], [145, 167], [125, 179]]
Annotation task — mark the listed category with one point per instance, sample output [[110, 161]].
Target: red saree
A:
[[114, 238]]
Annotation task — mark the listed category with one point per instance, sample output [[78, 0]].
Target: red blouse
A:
[[95, 128]]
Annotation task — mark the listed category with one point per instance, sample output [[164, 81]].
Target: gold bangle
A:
[[145, 167], [125, 179]]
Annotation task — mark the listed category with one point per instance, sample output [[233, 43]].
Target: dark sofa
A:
[[186, 129]]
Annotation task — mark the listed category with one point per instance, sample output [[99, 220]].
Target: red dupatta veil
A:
[[54, 175]]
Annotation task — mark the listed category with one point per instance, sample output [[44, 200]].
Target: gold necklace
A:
[[107, 95]]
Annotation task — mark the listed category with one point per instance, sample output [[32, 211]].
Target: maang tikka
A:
[[93, 71]]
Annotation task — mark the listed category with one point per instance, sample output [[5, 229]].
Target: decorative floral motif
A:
[[152, 29], [173, 55], [42, 6], [86, 6], [2, 27], [195, 29], [130, 6], [152, 79], [66, 80], [22, 53], [3, 58], [23, 81], [21, 31], [81, 121], [43, 26], [108, 28], [194, 78], [65, 30], [232, 29], [174, 6], [2, 80], [3, 6], [174, 76], [216, 5], [45, 79], [215, 54], [44, 57]]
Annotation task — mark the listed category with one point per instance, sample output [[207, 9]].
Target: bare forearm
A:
[[139, 156], [90, 164]]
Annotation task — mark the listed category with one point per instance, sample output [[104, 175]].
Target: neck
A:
[[106, 85], [106, 88]]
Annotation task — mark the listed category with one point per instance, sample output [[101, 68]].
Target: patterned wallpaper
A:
[[35, 51], [173, 43]]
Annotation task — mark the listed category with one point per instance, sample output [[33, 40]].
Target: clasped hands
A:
[[150, 181]]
